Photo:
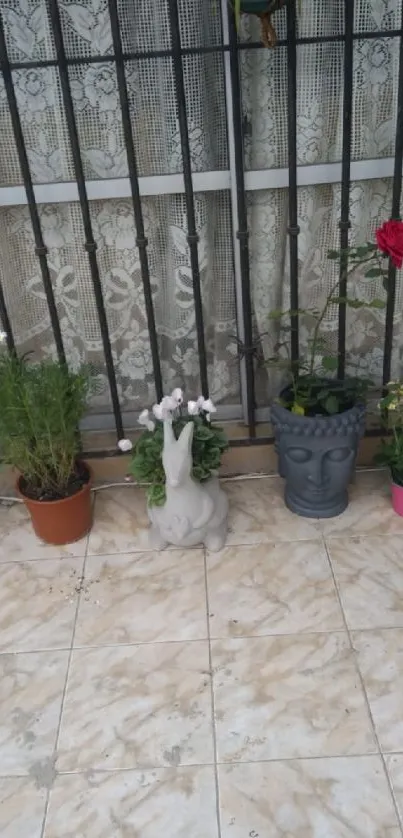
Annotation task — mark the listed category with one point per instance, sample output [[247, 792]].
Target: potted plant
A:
[[178, 456], [391, 453], [41, 406], [263, 9], [318, 420]]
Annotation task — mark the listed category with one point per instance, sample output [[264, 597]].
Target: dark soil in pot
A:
[[317, 455], [78, 479]]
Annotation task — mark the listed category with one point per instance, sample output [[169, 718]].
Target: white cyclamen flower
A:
[[165, 408], [193, 408], [3, 337], [125, 445], [144, 419], [159, 412], [177, 396], [169, 404], [208, 406]]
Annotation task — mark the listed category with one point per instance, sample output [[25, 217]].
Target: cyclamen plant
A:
[[209, 442]]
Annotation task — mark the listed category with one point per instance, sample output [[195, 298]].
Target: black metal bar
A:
[[237, 442], [166, 53], [293, 229], [344, 223], [90, 244], [192, 236], [141, 240], [40, 247], [396, 197], [5, 322], [243, 232]]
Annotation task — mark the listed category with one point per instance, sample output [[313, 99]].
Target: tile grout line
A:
[[362, 682], [224, 637], [264, 542], [84, 559], [184, 766], [213, 723]]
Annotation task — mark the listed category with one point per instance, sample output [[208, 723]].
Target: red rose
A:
[[389, 239]]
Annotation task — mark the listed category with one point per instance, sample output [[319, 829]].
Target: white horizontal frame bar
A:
[[54, 193], [57, 193], [319, 174]]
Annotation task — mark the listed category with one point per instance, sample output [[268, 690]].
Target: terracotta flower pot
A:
[[61, 521], [264, 9], [397, 498]]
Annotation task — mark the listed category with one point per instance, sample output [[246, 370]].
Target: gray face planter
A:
[[317, 456]]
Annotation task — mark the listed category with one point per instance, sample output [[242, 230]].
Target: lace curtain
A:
[[152, 100]]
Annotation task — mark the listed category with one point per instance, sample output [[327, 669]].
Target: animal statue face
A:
[[177, 455]]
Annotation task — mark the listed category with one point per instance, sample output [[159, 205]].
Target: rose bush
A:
[[389, 238]]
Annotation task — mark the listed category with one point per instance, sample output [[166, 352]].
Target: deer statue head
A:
[[177, 454]]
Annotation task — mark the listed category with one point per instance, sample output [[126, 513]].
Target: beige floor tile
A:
[[370, 510], [394, 765], [272, 589], [18, 541], [143, 597], [120, 522], [380, 658], [369, 573], [31, 689], [167, 803], [22, 808], [257, 513], [285, 697], [137, 706], [38, 602], [320, 798]]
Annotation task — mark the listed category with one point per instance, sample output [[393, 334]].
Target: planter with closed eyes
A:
[[317, 455]]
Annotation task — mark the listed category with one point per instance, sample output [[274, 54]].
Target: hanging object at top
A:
[[263, 9]]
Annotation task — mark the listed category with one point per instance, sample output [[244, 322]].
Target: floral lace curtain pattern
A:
[[156, 133]]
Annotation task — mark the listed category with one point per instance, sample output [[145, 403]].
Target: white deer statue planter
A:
[[193, 513]]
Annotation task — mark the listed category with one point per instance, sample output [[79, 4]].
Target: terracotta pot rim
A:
[[59, 501]]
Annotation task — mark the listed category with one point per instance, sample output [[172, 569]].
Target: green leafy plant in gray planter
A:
[[318, 419], [263, 9], [391, 452]]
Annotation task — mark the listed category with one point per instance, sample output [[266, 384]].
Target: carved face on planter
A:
[[316, 459]]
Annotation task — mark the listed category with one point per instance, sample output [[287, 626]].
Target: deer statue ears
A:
[[184, 442], [169, 436], [186, 437]]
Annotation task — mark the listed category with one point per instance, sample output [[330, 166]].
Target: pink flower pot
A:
[[397, 498]]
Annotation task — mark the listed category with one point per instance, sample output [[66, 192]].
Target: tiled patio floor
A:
[[258, 691]]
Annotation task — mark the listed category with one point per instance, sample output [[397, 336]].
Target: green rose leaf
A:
[[329, 363], [331, 404]]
